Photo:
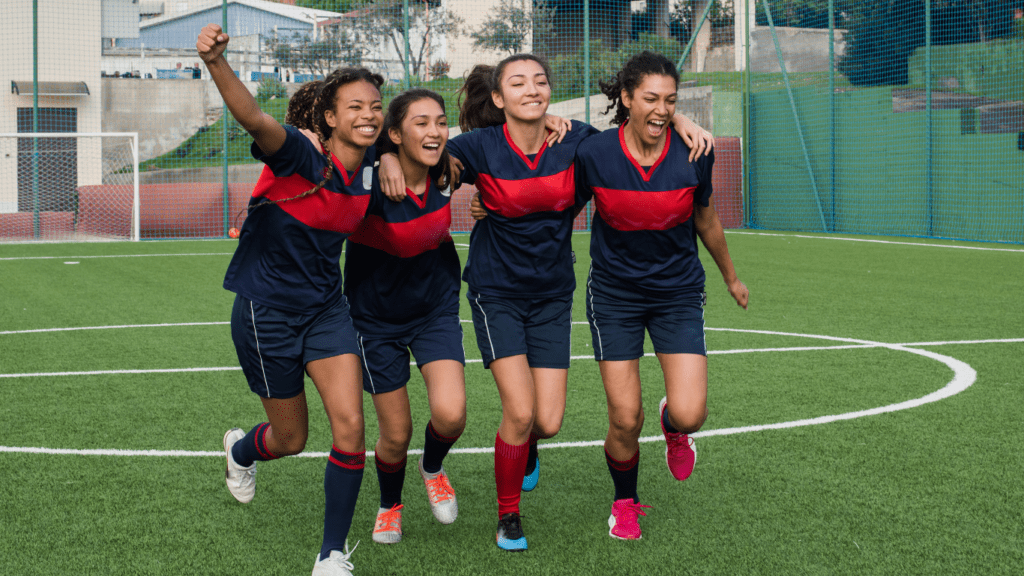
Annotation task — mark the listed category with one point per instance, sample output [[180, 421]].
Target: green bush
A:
[[269, 88], [568, 73]]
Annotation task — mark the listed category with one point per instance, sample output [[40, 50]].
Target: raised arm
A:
[[265, 130], [709, 228]]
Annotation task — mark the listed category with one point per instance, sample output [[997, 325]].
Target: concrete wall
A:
[[803, 49], [69, 50], [164, 112]]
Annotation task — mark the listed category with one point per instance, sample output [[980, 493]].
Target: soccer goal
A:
[[69, 186]]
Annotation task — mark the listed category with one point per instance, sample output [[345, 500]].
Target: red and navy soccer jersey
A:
[[643, 233], [289, 253], [400, 264], [523, 249]]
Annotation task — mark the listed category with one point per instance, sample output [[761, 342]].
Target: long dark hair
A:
[[476, 107], [300, 107], [441, 173], [631, 75]]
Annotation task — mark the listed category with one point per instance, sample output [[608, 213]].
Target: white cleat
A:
[[337, 564], [241, 480], [442, 496]]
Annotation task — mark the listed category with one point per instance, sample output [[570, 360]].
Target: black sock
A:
[[668, 425], [252, 448], [435, 448], [531, 456], [624, 475], [341, 488], [391, 478]]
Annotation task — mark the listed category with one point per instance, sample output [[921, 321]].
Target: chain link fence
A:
[[890, 117]]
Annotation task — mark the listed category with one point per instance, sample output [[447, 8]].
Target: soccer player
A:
[[290, 315], [652, 203], [402, 277], [519, 269]]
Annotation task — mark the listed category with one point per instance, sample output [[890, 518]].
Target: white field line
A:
[[37, 330], [871, 241], [113, 256], [963, 377]]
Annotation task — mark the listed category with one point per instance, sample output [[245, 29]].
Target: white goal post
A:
[[69, 186]]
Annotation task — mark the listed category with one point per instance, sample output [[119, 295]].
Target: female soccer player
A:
[[402, 277], [652, 204], [290, 314], [519, 269]]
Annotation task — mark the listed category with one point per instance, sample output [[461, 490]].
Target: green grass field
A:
[[935, 488]]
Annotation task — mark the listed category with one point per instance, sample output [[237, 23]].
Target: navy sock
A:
[[531, 456], [668, 425], [435, 448], [253, 448], [391, 478], [341, 488], [624, 475]]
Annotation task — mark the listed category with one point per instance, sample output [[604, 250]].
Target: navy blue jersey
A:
[[400, 264], [288, 254], [523, 249], [643, 234]]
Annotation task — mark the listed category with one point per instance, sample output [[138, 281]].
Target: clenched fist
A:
[[211, 43]]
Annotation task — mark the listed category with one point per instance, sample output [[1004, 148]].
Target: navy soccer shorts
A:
[[537, 327], [386, 358], [618, 317], [274, 346]]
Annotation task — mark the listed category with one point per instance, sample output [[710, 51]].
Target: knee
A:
[[547, 428], [347, 424], [687, 419], [627, 423], [289, 444], [449, 424], [394, 442], [519, 419]]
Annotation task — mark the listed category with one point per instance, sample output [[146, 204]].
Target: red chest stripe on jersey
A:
[[645, 174], [514, 198], [629, 210], [324, 210], [536, 159], [405, 239]]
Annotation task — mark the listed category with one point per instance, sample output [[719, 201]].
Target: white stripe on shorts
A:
[[486, 327], [373, 389], [252, 314], [590, 293]]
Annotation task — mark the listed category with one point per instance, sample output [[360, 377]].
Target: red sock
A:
[[509, 469]]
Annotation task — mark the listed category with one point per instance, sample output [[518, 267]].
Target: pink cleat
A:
[[680, 451], [622, 523]]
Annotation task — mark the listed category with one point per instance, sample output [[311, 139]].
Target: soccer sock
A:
[[665, 422], [341, 488], [624, 475], [509, 469], [253, 447], [531, 455], [391, 478], [435, 448]]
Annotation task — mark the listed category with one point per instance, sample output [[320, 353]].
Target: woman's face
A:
[[524, 91], [651, 107], [358, 114], [423, 133]]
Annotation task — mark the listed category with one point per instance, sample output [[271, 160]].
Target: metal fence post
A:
[[35, 118], [928, 109], [226, 116]]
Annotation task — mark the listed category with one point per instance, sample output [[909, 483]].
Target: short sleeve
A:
[[585, 130], [297, 156], [465, 148], [703, 167], [583, 190]]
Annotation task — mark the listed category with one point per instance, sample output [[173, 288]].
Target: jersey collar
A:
[[345, 176], [421, 202], [536, 159], [648, 173]]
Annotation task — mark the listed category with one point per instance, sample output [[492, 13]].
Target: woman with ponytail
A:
[[652, 202], [402, 277], [290, 317], [520, 264]]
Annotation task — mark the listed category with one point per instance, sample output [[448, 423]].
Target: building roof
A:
[[286, 10]]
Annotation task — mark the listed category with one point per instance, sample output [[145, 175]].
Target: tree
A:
[[384, 22], [341, 6], [507, 29], [334, 47]]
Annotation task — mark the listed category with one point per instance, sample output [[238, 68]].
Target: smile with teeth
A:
[[368, 130], [432, 146]]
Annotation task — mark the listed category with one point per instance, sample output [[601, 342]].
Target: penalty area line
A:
[[872, 241]]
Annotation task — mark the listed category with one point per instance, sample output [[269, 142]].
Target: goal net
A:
[[69, 186]]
